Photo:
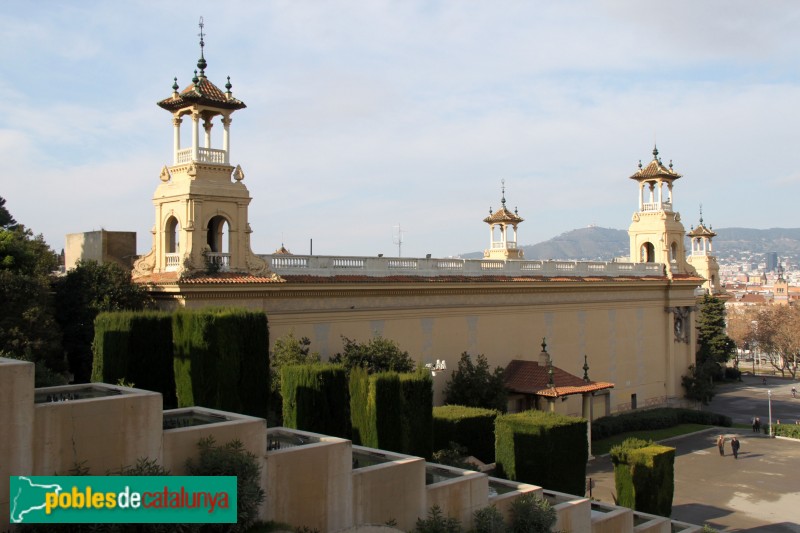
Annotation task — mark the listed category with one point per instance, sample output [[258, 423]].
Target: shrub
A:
[[488, 520], [231, 459], [468, 426], [436, 522], [376, 355], [733, 374], [787, 430], [644, 476], [316, 399], [664, 417], [532, 514], [541, 448], [135, 347], [221, 360]]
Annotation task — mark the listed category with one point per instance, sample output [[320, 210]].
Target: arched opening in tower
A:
[[648, 253], [218, 229], [172, 233]]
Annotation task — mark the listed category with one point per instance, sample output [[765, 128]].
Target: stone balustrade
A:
[[321, 265]]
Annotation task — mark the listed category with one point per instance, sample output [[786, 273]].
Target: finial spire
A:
[[655, 152], [585, 369], [544, 344], [701, 214], [503, 189], [201, 63]]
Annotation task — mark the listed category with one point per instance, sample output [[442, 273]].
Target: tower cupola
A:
[[501, 244], [201, 204], [656, 233], [702, 257]]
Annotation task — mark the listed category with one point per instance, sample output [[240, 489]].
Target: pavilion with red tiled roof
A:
[[531, 382]]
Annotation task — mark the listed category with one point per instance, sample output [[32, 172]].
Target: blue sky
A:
[[363, 115]]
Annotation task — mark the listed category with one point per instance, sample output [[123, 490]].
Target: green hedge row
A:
[[471, 427], [787, 430], [644, 476], [660, 418], [136, 347], [222, 360], [542, 448], [392, 411], [316, 399]]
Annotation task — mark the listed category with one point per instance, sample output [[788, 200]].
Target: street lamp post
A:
[[769, 401]]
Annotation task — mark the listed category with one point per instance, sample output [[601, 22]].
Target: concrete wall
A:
[[390, 491], [610, 518], [311, 485], [101, 246], [574, 512], [16, 421], [648, 523], [460, 497], [503, 501], [104, 433], [180, 444]]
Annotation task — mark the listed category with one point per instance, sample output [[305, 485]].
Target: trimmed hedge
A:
[[471, 427], [315, 398], [222, 360], [787, 430], [417, 389], [644, 476], [392, 411], [135, 346], [542, 448], [660, 418]]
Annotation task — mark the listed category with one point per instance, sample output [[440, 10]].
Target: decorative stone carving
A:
[[681, 323], [165, 177], [144, 265], [238, 173]]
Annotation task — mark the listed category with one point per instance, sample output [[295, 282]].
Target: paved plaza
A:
[[759, 492]]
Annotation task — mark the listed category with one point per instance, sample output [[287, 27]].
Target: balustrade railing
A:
[[657, 206], [173, 262], [204, 155], [221, 260], [318, 265]]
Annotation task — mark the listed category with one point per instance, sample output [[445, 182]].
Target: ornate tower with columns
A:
[[201, 203], [702, 257], [501, 245], [656, 233]]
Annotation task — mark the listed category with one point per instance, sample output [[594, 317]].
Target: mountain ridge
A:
[[595, 243]]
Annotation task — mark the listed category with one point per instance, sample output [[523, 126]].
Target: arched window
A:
[[647, 253], [673, 252], [218, 234], [172, 232]]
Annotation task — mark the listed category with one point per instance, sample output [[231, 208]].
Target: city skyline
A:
[[363, 116]]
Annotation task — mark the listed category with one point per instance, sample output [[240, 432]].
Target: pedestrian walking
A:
[[721, 445], [755, 428], [735, 447], [758, 425]]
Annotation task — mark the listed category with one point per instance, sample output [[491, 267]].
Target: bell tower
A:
[[656, 233], [702, 257], [501, 244], [201, 204]]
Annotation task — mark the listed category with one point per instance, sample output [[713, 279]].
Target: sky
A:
[[367, 115]]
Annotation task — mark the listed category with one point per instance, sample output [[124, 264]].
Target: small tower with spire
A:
[[501, 244], [702, 257], [656, 233], [201, 204]]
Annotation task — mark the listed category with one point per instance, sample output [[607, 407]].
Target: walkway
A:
[[759, 492]]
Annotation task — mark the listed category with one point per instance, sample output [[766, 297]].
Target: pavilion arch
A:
[[647, 253], [172, 231], [673, 252], [218, 234]]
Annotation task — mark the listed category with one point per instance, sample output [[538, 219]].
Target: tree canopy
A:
[[84, 292], [474, 385], [376, 355], [714, 348]]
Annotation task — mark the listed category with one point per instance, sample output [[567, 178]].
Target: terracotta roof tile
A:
[[528, 377], [204, 93], [226, 278], [503, 215]]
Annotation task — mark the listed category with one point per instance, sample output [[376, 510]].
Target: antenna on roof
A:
[[397, 238]]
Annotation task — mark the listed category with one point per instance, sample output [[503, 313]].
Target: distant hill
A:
[[604, 244]]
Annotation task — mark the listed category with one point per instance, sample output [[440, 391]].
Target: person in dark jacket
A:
[[735, 447]]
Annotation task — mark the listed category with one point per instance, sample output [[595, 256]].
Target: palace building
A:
[[632, 321]]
